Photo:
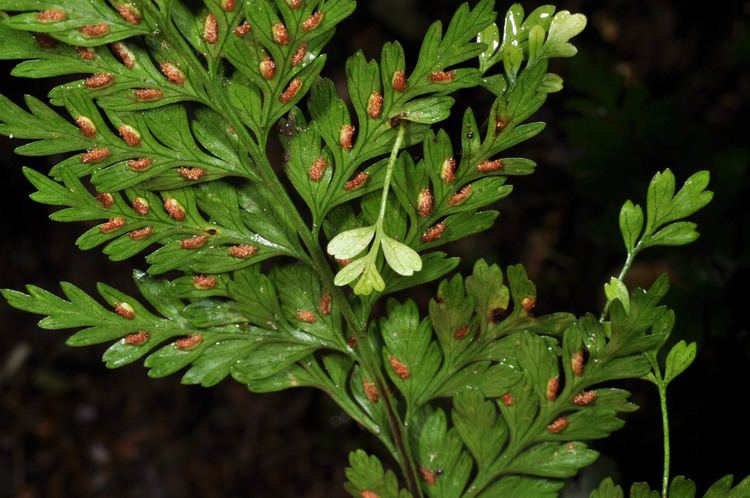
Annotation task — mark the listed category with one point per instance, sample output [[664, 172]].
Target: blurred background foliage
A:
[[657, 84]]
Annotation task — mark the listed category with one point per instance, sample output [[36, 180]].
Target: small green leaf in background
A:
[[680, 357], [631, 224], [366, 478], [682, 488], [608, 489], [642, 490], [615, 289], [663, 207], [564, 27]]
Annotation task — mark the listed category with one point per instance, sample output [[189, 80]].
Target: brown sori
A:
[[242, 251], [211, 30], [228, 5], [299, 54], [528, 303], [585, 398], [204, 282], [324, 306], [106, 199], [507, 399], [428, 476], [370, 391], [129, 12], [351, 341], [87, 127], [553, 388], [124, 54], [461, 332], [243, 29], [501, 123], [318, 169], [460, 197], [189, 342], [346, 136], [312, 22], [576, 363], [51, 15], [267, 68], [360, 179], [294, 4], [280, 34], [146, 94], [140, 206], [98, 80], [86, 53], [448, 170], [344, 262], [137, 338], [130, 135], [558, 425], [125, 310], [194, 242], [94, 30], [141, 164], [398, 82], [434, 232], [442, 76], [375, 105], [191, 174], [96, 155], [399, 367], [368, 494], [291, 90], [172, 73], [306, 316], [141, 234], [425, 202], [489, 166], [45, 41], [175, 210]]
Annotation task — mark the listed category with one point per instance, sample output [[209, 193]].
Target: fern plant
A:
[[270, 273]]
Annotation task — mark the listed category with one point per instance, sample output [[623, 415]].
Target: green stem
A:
[[379, 228], [665, 427], [624, 271], [389, 172]]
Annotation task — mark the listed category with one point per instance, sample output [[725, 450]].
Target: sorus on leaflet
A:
[[357, 182], [94, 30]]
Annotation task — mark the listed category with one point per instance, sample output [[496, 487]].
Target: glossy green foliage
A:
[[680, 487], [162, 147], [665, 211]]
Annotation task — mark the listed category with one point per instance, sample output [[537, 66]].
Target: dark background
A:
[[657, 84]]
